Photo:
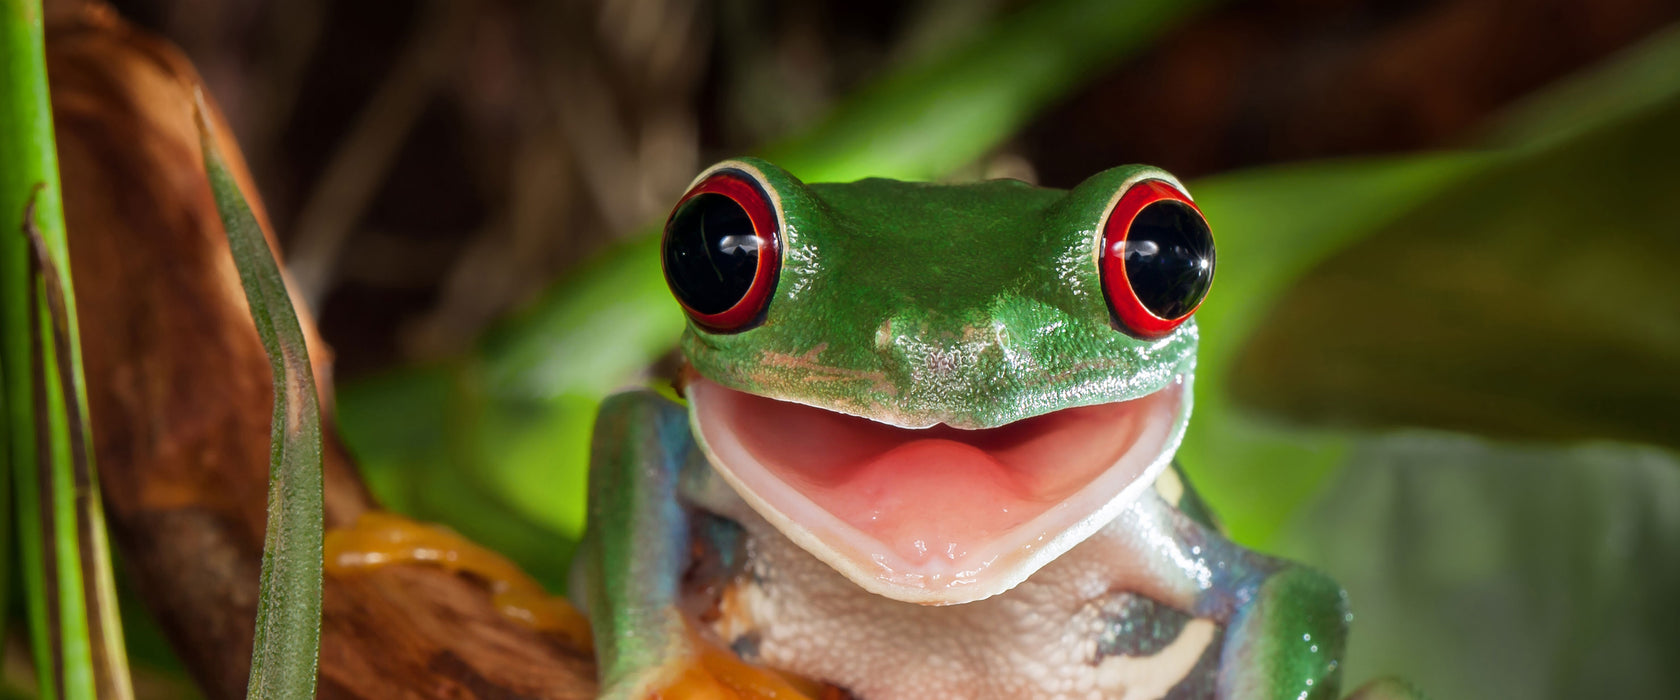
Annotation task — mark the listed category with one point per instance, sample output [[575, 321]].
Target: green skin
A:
[[881, 253], [887, 308]]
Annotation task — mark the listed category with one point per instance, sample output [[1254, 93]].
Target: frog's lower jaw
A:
[[937, 516]]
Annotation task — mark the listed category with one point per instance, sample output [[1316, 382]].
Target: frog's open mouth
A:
[[936, 515]]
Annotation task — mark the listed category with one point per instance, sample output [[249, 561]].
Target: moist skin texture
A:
[[936, 515], [1094, 623]]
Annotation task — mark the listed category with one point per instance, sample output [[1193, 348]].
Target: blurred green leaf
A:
[[416, 452], [588, 336], [1274, 225], [1524, 291], [1481, 570], [1271, 224], [1535, 300], [288, 629], [936, 115], [7, 565], [1642, 77]]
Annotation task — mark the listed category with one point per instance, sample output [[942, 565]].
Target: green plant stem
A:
[[75, 630], [29, 172]]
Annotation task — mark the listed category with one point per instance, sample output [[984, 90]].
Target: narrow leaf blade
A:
[[82, 546], [286, 652]]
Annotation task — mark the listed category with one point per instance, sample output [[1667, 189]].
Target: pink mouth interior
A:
[[940, 499]]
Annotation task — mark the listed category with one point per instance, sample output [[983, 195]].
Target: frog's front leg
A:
[[1285, 624], [633, 557], [1286, 634]]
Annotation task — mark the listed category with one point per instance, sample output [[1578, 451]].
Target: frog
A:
[[922, 444]]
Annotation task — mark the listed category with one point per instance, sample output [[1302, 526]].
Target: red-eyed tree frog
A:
[[925, 450]]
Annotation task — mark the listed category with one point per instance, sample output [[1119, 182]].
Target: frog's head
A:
[[937, 389]]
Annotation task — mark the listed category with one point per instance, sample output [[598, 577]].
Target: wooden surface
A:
[[180, 399]]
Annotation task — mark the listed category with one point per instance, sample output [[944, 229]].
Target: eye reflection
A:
[[738, 244], [1139, 250]]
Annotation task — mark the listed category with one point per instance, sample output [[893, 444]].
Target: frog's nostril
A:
[[942, 362], [906, 337], [939, 354]]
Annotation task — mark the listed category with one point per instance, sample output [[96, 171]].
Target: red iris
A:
[[1156, 259], [722, 252]]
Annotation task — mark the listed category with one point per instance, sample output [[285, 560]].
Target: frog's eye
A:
[[722, 252], [1156, 260]]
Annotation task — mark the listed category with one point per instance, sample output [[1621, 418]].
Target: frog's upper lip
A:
[[936, 515]]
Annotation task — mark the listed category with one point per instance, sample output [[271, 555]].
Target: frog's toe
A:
[[714, 674], [379, 539]]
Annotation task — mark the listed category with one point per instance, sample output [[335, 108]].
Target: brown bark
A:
[[180, 397]]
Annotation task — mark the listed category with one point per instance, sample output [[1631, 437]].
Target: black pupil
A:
[[711, 253], [1169, 258]]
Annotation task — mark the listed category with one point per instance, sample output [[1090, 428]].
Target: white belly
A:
[[1072, 630]]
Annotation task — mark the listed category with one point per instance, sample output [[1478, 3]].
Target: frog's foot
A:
[[707, 672], [381, 539], [1287, 638]]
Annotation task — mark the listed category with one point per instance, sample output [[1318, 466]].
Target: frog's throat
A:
[[937, 516]]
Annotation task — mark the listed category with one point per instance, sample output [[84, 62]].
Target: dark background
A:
[[431, 165]]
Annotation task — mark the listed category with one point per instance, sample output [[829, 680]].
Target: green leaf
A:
[[1640, 78], [933, 116], [1484, 570], [1421, 244], [1535, 300], [1271, 224], [1525, 291], [286, 652]]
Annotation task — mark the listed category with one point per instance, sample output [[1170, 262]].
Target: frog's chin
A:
[[938, 515]]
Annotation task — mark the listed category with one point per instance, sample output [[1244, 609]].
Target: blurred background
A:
[[433, 165], [1441, 360]]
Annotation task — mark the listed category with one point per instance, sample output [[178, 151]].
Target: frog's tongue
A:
[[935, 515]]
